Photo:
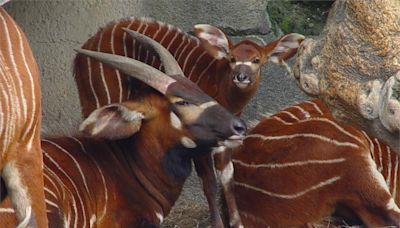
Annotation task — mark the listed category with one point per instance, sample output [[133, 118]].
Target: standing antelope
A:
[[20, 155], [228, 73], [298, 165], [132, 171]]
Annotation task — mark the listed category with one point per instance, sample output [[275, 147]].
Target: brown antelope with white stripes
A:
[[230, 73], [20, 117], [131, 170], [297, 166]]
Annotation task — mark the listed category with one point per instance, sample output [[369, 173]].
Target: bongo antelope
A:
[[20, 116], [299, 165], [230, 73], [131, 169]]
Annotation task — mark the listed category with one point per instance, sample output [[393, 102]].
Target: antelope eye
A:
[[182, 103], [232, 60], [256, 61]]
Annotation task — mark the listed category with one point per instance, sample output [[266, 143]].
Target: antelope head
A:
[[208, 123], [246, 57]]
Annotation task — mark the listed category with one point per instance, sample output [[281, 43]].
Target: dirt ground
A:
[[191, 208]]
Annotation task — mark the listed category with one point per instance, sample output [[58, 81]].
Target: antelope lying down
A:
[[20, 110], [228, 72], [297, 166], [133, 176]]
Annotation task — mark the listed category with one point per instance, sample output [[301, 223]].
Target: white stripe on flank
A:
[[147, 50], [140, 46], [1, 123], [74, 160], [101, 174], [116, 71], [289, 196], [51, 203], [74, 186], [305, 135], [179, 47], [154, 38], [189, 55], [389, 167], [205, 70], [7, 210], [45, 175], [172, 40], [165, 35], [379, 155], [50, 192], [371, 145], [6, 113], [10, 88], [158, 30], [183, 51], [290, 115], [103, 79], [305, 113], [315, 106], [377, 176], [17, 74], [124, 38], [30, 77], [195, 64], [64, 188], [337, 126], [395, 179], [134, 54], [91, 82], [289, 164]]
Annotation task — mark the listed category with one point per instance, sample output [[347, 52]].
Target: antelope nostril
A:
[[239, 127], [241, 77]]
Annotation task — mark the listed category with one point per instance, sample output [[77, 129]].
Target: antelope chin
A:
[[232, 142], [242, 84]]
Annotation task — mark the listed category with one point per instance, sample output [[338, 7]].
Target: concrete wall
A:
[[54, 28]]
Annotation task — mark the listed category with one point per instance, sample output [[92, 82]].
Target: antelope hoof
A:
[[389, 112], [368, 99]]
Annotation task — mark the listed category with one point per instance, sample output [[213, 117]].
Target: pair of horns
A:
[[139, 70]]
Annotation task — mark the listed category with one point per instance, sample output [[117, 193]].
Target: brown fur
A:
[[356, 189], [20, 134], [213, 76], [138, 180]]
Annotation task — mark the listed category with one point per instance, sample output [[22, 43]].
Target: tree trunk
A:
[[354, 65]]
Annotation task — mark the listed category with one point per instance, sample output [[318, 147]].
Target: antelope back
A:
[[300, 160], [100, 85]]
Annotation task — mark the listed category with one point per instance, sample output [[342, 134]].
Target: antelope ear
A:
[[213, 40], [115, 121], [283, 48]]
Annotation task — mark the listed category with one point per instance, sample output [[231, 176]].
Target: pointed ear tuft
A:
[[213, 40], [283, 48], [115, 121]]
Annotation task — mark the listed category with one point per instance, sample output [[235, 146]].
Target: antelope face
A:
[[245, 60], [207, 121], [246, 57]]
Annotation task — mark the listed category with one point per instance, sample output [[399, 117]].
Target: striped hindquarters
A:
[[100, 85], [387, 163], [19, 86], [72, 198]]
